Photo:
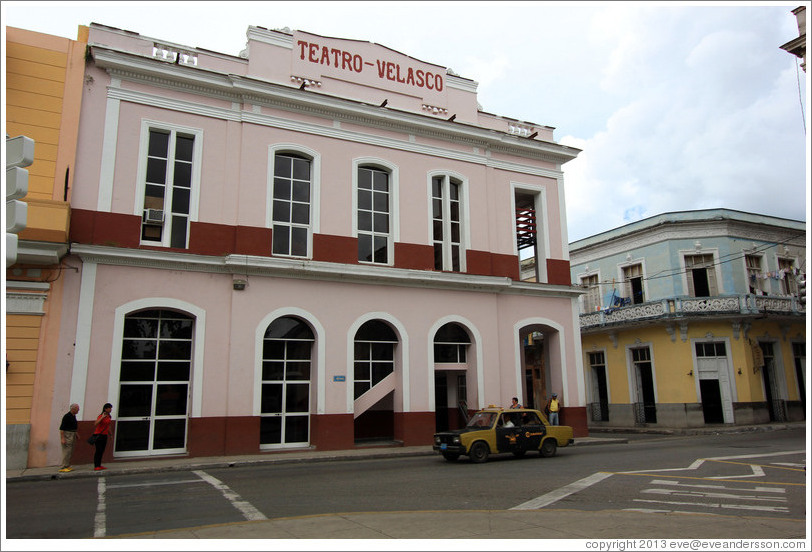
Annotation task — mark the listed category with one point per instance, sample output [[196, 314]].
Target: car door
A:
[[508, 437], [531, 430]]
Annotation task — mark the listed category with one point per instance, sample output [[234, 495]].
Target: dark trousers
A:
[[101, 444]]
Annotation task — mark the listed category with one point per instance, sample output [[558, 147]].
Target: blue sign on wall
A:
[[339, 378]]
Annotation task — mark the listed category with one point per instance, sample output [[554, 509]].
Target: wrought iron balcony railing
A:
[[693, 307]]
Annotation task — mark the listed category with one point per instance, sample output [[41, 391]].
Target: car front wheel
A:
[[479, 452], [548, 448]]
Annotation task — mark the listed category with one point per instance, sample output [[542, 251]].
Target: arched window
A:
[[286, 361], [450, 344], [374, 355]]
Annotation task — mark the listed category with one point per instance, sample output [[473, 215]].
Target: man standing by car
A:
[[68, 435], [552, 409]]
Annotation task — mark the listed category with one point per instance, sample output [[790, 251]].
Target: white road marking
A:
[[698, 494], [654, 511], [780, 509], [155, 484], [681, 484], [558, 494], [246, 509], [100, 522], [697, 463]]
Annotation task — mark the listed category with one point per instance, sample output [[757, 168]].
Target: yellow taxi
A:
[[495, 430]]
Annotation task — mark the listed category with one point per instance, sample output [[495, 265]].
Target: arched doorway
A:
[[154, 383], [374, 382], [451, 344], [287, 350]]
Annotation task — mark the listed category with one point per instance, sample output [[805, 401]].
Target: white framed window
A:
[[700, 275], [291, 204], [374, 355], [755, 274], [592, 299], [786, 272], [375, 209], [168, 184], [448, 230], [633, 283]]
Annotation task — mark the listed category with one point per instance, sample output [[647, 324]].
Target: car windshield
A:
[[482, 419]]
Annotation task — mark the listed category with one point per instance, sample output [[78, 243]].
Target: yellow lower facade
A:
[[695, 374]]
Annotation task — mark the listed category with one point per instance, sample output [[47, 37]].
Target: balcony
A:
[[688, 308]]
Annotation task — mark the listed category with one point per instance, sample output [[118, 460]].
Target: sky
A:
[[675, 106]]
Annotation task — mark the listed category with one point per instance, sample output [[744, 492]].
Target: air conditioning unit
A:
[[154, 216]]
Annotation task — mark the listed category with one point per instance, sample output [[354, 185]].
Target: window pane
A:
[[362, 351], [381, 249], [297, 371], [281, 240], [138, 371], [296, 429], [156, 170], [438, 256], [138, 349], [288, 327], [380, 370], [445, 353], [301, 192], [720, 349], [383, 351], [362, 371], [273, 371], [455, 232], [132, 435], [361, 387], [171, 400], [273, 349], [301, 169], [299, 350], [281, 188], [454, 191], [183, 174], [270, 430], [177, 329], [140, 327], [299, 242], [296, 397], [365, 199], [438, 230], [151, 193], [178, 232], [381, 202], [437, 186], [183, 148], [364, 221], [381, 223], [174, 371], [301, 213], [381, 181], [271, 398], [282, 166], [180, 200], [175, 350], [281, 211], [158, 144], [436, 208], [134, 401], [169, 434], [364, 179]]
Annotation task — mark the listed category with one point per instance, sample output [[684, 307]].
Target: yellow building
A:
[[43, 97], [693, 318]]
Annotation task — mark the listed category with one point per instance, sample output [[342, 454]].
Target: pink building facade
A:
[[314, 244]]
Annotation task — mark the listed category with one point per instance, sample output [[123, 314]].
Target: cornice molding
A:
[[234, 88], [228, 114], [18, 302], [703, 230], [270, 267]]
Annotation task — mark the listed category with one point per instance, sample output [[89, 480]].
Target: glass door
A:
[[153, 401]]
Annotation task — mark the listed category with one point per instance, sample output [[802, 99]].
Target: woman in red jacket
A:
[[102, 431]]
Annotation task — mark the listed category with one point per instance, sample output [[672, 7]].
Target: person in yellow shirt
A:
[[552, 409]]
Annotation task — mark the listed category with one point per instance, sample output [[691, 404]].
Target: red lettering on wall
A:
[[302, 45], [346, 60], [313, 51], [325, 55], [420, 80]]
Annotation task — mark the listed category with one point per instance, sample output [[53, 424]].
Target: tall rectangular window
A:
[[633, 283], [170, 166], [701, 276], [291, 205], [755, 280], [592, 299], [373, 215], [447, 223], [786, 272]]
